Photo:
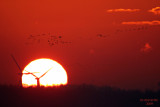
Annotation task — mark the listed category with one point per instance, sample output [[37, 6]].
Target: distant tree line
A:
[[76, 96]]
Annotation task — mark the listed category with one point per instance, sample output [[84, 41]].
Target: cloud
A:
[[122, 10], [155, 10], [147, 48], [154, 22]]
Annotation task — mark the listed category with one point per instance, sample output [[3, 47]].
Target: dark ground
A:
[[76, 96]]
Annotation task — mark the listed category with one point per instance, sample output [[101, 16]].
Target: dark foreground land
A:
[[76, 96]]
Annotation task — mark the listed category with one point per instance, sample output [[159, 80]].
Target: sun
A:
[[44, 72]]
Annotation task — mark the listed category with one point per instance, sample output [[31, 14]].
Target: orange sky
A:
[[98, 48]]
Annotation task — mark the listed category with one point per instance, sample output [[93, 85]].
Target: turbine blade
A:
[[45, 72], [23, 73], [35, 72], [16, 63], [26, 73], [31, 74]]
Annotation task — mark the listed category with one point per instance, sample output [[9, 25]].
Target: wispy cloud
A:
[[155, 22], [122, 10], [155, 10], [147, 48]]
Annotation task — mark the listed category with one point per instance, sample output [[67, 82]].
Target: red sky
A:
[[100, 49]]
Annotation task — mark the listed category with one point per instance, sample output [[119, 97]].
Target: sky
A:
[[99, 42]]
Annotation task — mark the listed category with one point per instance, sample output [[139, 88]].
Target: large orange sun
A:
[[46, 71]]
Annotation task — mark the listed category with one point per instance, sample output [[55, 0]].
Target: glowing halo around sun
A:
[[55, 76]]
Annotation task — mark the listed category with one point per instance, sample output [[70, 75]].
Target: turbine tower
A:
[[20, 73], [38, 78]]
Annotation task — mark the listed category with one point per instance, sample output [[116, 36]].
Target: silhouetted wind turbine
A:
[[20, 81], [38, 78]]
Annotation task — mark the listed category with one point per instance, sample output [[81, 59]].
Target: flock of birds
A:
[[55, 40], [117, 31], [50, 39]]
